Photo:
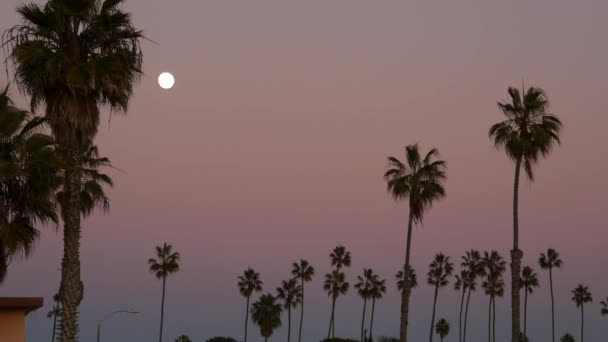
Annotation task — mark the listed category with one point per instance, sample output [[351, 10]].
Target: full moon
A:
[[166, 80]]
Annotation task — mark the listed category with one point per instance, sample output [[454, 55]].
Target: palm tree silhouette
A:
[[604, 305], [167, 263], [249, 283], [549, 262], [364, 287], [529, 280], [340, 257], [527, 134], [74, 69], [303, 271], [567, 338], [581, 295], [474, 265], [494, 286], [461, 284], [438, 276], [335, 284], [442, 328], [420, 180], [412, 280], [376, 292], [266, 313], [183, 338], [55, 314], [290, 293]]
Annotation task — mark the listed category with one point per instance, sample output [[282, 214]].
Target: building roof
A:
[[28, 304]]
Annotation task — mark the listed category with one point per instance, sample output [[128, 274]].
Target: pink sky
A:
[[272, 145]]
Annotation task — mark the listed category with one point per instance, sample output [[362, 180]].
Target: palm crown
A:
[[604, 305], [335, 284], [340, 257], [442, 328], [167, 261], [529, 279], [290, 293], [378, 287], [249, 282], [440, 270], [401, 278], [364, 283], [581, 295], [266, 313], [303, 270], [495, 266], [550, 260], [567, 338]]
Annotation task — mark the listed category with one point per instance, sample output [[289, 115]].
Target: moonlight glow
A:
[[166, 80]]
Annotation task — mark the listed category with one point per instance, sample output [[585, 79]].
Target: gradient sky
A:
[[272, 145]]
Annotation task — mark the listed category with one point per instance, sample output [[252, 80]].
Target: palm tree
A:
[[183, 338], [249, 283], [567, 338], [473, 263], [461, 284], [340, 257], [494, 286], [364, 287], [335, 284], [527, 134], [420, 180], [167, 263], [442, 328], [28, 179], [55, 314], [550, 261], [74, 57], [377, 290], [303, 271], [528, 281], [438, 276], [266, 313], [291, 294], [604, 307], [401, 278], [581, 295]]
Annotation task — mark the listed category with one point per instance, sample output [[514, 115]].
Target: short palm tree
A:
[[567, 338], [364, 287], [340, 258], [528, 281], [473, 263], [55, 314], [183, 338], [494, 286], [442, 328], [549, 262], [249, 283], [336, 285], [165, 264], [604, 305], [303, 271], [266, 313], [438, 276], [420, 180], [581, 296], [527, 134], [28, 179], [74, 57], [290, 293], [376, 292]]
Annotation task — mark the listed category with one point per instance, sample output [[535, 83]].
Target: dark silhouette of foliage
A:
[[303, 271], [165, 264], [266, 313], [581, 296], [249, 283], [549, 262]]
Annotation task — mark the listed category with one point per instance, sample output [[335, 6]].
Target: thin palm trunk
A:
[[331, 318], [301, 313], [516, 256], [552, 304], [464, 290], [371, 322], [433, 316], [54, 324], [288, 323], [246, 317], [162, 311], [582, 322], [490, 320], [493, 319], [526, 312], [363, 318], [466, 315], [405, 296]]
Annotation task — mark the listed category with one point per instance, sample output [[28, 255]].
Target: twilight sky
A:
[[272, 145]]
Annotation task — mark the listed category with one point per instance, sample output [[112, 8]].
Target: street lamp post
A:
[[109, 316]]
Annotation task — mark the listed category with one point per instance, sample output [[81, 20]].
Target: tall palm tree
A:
[[604, 305], [340, 258], [549, 262], [581, 295], [420, 180], [473, 263], [376, 292], [249, 283], [461, 284], [440, 270], [567, 338], [165, 264], [527, 134], [303, 271], [28, 179], [290, 293], [55, 314], [494, 286], [266, 313], [364, 287], [442, 328], [529, 281], [74, 57], [336, 285]]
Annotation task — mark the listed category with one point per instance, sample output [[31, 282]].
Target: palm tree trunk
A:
[[371, 322], [405, 296], [289, 323], [433, 316], [464, 290], [71, 287], [582, 322], [54, 324], [301, 313], [516, 256], [526, 312], [493, 319], [246, 317], [363, 318], [331, 318], [490, 320], [466, 315], [162, 311], [552, 305]]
